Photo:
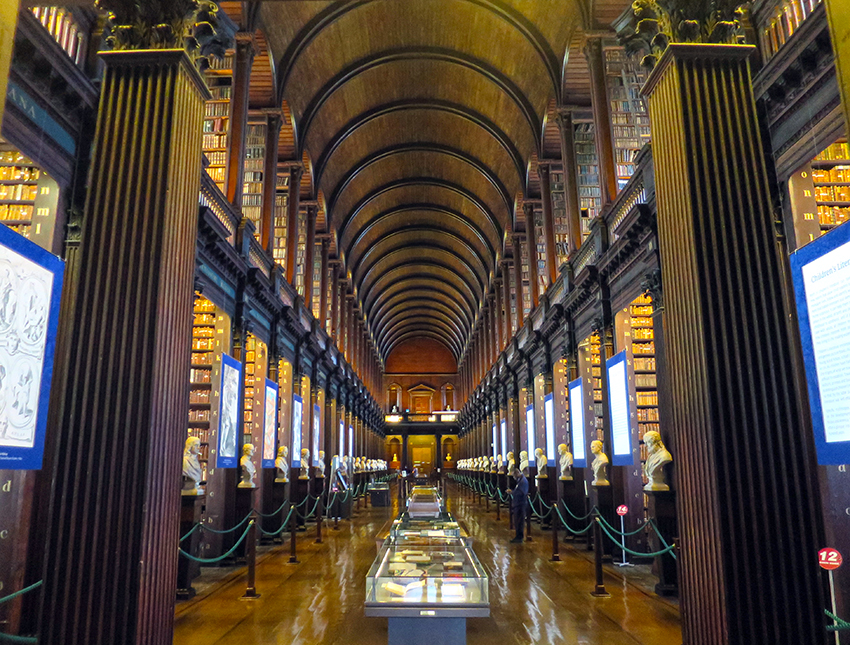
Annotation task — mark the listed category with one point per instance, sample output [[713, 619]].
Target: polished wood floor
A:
[[320, 600]]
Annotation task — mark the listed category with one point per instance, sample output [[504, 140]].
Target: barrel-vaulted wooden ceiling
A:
[[420, 120]]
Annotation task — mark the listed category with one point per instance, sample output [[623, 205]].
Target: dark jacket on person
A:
[[520, 492]]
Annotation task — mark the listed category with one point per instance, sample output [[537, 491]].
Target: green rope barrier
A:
[[669, 549], [536, 514], [190, 531], [540, 499], [212, 530], [273, 513], [576, 517], [283, 525], [567, 526], [12, 596], [313, 512], [221, 557], [11, 638], [623, 533], [839, 626]]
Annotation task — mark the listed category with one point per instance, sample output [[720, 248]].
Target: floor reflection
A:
[[320, 600]]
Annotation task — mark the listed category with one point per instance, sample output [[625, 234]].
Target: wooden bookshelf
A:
[[217, 117], [256, 368], [540, 251], [596, 365], [28, 196], [204, 355], [629, 116], [831, 178], [301, 251], [590, 193], [253, 166], [281, 207], [316, 276], [559, 215]]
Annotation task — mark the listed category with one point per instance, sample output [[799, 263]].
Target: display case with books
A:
[[445, 578]]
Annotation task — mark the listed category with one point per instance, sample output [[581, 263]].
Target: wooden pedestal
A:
[[662, 509], [191, 507]]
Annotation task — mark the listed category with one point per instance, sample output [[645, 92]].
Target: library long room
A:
[[435, 321]]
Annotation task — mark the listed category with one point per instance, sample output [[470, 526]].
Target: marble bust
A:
[[565, 463], [658, 457], [192, 473], [542, 462], [492, 464], [281, 465], [305, 464], [509, 469], [320, 467], [500, 465], [345, 464], [248, 470], [523, 462], [599, 465]]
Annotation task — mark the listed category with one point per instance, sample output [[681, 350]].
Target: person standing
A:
[[520, 499]]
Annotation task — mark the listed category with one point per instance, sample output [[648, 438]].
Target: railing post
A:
[[556, 555], [293, 526], [319, 519], [251, 557], [599, 591], [528, 522]]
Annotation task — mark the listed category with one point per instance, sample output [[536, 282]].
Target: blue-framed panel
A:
[[578, 424], [30, 293], [297, 429], [549, 414], [821, 275], [270, 424], [231, 378], [623, 409], [529, 432]]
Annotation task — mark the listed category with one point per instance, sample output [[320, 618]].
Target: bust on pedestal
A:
[[192, 473], [320, 467], [541, 463], [247, 467], [599, 465], [509, 469], [658, 457], [565, 463], [305, 464], [523, 462], [281, 465], [500, 465]]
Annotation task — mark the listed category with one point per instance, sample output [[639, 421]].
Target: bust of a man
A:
[[599, 465], [523, 462], [192, 473], [492, 464], [565, 462], [345, 463], [248, 470], [500, 464], [320, 467], [542, 462], [509, 469], [658, 457], [305, 464], [281, 465]]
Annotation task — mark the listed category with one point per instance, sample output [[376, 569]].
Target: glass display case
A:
[[442, 526], [440, 577], [424, 502]]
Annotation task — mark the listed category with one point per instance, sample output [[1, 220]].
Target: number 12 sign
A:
[[829, 559]]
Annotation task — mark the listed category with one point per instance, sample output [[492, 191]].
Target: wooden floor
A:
[[320, 600]]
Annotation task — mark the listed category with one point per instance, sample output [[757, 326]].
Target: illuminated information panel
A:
[[529, 431], [549, 413], [621, 403], [821, 272], [577, 422]]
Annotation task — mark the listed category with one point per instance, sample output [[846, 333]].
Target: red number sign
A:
[[829, 559], [624, 510]]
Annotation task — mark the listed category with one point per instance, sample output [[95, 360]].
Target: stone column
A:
[[564, 119], [749, 508], [114, 461]]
